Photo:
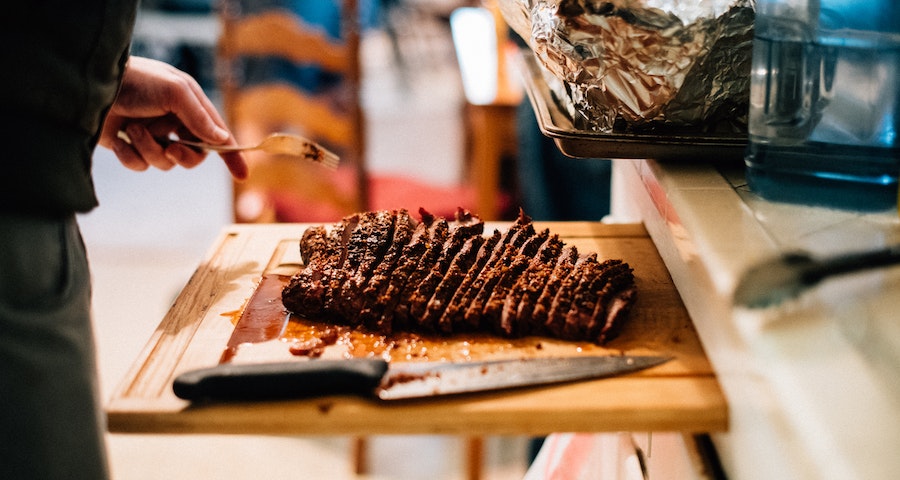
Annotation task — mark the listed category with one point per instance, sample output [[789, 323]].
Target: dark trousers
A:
[[50, 414]]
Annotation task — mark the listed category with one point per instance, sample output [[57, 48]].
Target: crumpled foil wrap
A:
[[639, 64]]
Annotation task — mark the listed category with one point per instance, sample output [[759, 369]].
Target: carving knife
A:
[[394, 381]]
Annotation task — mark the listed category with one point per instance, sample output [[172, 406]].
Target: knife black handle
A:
[[271, 381]]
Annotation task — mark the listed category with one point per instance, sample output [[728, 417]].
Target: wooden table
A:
[[681, 395]]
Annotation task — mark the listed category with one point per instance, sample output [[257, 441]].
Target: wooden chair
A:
[[327, 111]]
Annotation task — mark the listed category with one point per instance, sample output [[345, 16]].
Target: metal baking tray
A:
[[555, 123]]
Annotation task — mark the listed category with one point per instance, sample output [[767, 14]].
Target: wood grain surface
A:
[[681, 395]]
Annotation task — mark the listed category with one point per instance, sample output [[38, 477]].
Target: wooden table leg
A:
[[358, 452], [474, 457]]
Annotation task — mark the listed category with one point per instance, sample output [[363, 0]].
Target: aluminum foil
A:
[[636, 64]]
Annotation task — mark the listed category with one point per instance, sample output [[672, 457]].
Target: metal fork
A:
[[276, 143]]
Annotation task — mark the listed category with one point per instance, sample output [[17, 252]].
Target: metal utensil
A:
[[786, 276], [276, 143], [394, 381]]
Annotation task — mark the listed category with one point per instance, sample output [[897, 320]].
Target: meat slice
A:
[[586, 315], [472, 295], [492, 275], [338, 271], [579, 304], [454, 310], [404, 228], [613, 303], [493, 306], [562, 301], [563, 268], [338, 241], [379, 292], [616, 312], [466, 227], [304, 292], [314, 244], [477, 250], [519, 302], [373, 234], [307, 290], [406, 267], [439, 235], [377, 240], [357, 245]]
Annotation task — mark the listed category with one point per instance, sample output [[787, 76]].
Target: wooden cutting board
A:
[[681, 395]]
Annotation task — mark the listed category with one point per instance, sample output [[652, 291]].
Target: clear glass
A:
[[825, 103]]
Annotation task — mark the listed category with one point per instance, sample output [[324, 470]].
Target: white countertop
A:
[[813, 384]]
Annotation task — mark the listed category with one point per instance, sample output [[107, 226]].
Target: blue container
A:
[[825, 103]]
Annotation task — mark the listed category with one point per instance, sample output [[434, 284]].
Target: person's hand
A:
[[155, 101]]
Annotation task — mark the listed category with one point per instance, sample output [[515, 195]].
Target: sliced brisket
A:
[[444, 306], [515, 319], [493, 306], [466, 227], [404, 229], [393, 278], [616, 312], [306, 291], [479, 289], [559, 307], [374, 233], [564, 266], [314, 244], [387, 272], [439, 233]]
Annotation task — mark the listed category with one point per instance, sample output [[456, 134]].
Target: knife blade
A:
[[394, 381]]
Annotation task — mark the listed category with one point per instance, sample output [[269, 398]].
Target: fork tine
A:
[[329, 159], [321, 155], [310, 150]]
